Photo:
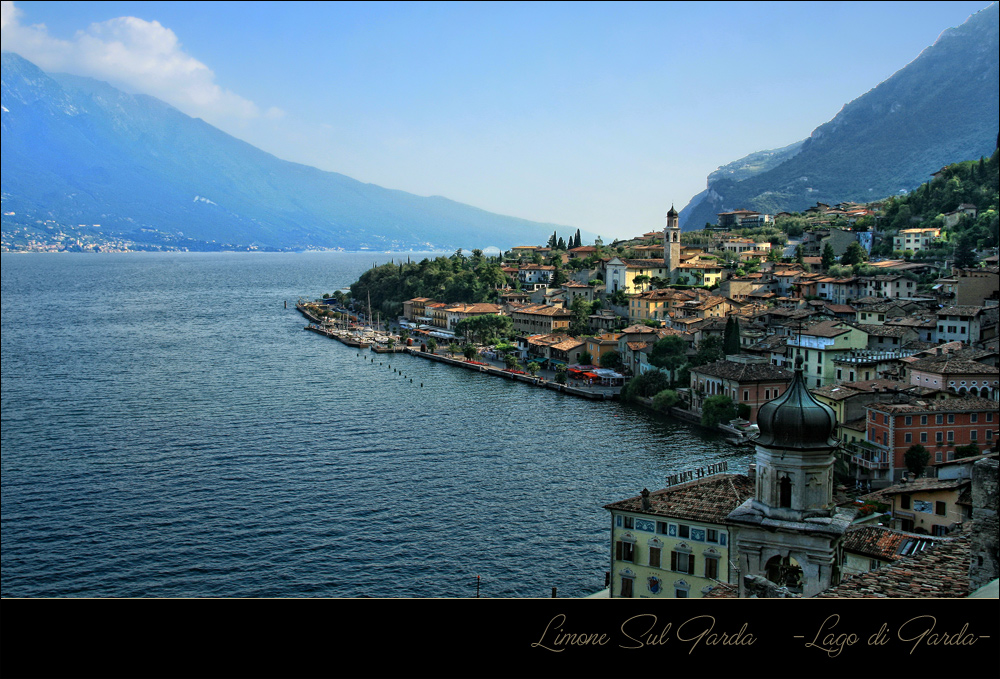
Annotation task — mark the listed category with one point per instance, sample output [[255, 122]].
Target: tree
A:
[[829, 258], [612, 360], [558, 275], [533, 368], [561, 374], [855, 254], [510, 362], [669, 354], [716, 409], [585, 358], [916, 458], [453, 348], [709, 351], [967, 450], [432, 345], [470, 352], [731, 338], [665, 400], [965, 255], [646, 385], [580, 323]]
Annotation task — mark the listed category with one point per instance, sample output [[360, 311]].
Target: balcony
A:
[[868, 458]]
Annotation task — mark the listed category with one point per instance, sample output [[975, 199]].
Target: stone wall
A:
[[985, 561]]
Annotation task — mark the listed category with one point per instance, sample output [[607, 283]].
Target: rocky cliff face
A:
[[940, 108]]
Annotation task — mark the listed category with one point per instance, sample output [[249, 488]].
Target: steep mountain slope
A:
[[78, 151], [940, 108]]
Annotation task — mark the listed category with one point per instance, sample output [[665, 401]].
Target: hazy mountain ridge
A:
[[940, 108], [76, 150]]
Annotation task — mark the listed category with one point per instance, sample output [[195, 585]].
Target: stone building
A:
[[790, 531]]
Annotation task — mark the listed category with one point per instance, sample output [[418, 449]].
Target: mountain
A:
[[940, 108], [77, 151]]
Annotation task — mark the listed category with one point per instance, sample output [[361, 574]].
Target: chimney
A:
[[645, 499]]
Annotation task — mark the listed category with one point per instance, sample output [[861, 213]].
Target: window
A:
[[973, 435], [627, 587], [923, 437], [908, 437], [746, 394], [951, 436], [661, 527], [654, 557], [923, 419], [712, 567], [939, 508], [940, 531], [712, 535], [683, 531], [974, 417], [951, 418], [629, 521], [682, 562], [989, 417], [904, 501], [909, 420], [937, 456], [939, 419], [625, 551], [939, 436], [885, 419]]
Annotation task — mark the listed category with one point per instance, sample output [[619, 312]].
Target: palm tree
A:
[[432, 345], [533, 368]]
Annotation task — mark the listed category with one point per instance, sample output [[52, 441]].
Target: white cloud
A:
[[142, 56]]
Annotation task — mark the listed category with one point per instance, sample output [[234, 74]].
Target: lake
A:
[[170, 430]]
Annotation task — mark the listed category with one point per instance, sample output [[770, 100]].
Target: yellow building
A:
[[927, 505], [698, 272], [657, 305], [600, 345], [674, 542]]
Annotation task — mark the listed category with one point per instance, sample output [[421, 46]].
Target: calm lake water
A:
[[169, 429]]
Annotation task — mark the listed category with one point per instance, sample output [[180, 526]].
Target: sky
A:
[[593, 115]]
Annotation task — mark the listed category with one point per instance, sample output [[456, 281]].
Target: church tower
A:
[[790, 532], [671, 243]]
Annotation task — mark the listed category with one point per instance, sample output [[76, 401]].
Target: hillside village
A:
[[869, 386]]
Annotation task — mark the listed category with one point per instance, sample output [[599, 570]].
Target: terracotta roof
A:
[[961, 311], [836, 392], [882, 330], [708, 499], [972, 404], [744, 372], [946, 364], [826, 329], [884, 543], [942, 571], [917, 486]]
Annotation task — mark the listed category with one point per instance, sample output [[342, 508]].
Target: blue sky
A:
[[593, 115]]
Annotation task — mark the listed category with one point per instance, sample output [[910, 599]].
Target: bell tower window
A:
[[785, 492]]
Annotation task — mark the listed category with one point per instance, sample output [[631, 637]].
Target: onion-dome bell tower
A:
[[790, 531], [672, 242]]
